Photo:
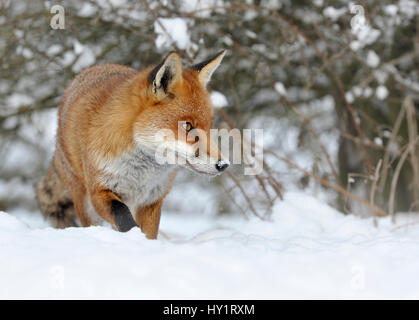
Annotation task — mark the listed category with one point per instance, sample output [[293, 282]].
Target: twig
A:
[[249, 202], [396, 178], [392, 139], [413, 134], [373, 188]]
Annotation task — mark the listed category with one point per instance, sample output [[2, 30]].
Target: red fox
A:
[[104, 167]]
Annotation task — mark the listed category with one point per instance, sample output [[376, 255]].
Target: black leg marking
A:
[[123, 218]]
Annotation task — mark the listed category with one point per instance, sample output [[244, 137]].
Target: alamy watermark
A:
[[358, 277], [57, 277], [58, 19], [358, 21]]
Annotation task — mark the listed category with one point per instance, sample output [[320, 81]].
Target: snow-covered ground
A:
[[308, 250]]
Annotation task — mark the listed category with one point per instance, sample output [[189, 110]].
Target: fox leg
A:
[[148, 218], [78, 193], [110, 207]]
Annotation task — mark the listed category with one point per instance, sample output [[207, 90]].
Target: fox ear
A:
[[207, 67], [164, 76]]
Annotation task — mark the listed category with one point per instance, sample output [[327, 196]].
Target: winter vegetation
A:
[[333, 212]]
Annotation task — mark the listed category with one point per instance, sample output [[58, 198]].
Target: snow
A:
[[19, 33], [18, 99], [380, 75], [308, 250], [280, 88], [54, 50], [87, 10], [381, 92], [218, 100], [357, 91], [391, 9], [118, 3], [202, 8], [373, 60], [365, 35], [409, 8], [349, 97], [172, 30], [368, 92], [378, 141], [86, 56], [333, 13]]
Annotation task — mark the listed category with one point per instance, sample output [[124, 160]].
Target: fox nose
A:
[[221, 165]]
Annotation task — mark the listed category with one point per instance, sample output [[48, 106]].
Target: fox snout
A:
[[207, 155], [196, 151], [221, 165]]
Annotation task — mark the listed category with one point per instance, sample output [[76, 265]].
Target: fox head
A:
[[180, 115]]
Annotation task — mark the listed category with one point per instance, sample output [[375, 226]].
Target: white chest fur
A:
[[137, 179]]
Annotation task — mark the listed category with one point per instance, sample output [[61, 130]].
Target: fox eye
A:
[[187, 126]]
